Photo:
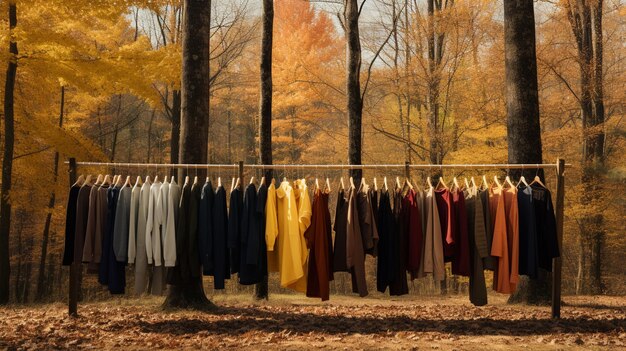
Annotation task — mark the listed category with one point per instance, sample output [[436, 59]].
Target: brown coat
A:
[[318, 239], [432, 258], [96, 225], [500, 244], [367, 219]]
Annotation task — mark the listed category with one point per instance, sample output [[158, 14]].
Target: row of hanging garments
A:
[[506, 228], [172, 234]]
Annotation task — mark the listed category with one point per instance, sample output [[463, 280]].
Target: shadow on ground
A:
[[235, 321]]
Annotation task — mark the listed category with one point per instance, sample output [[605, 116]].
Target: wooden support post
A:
[[74, 266], [241, 174], [557, 262]]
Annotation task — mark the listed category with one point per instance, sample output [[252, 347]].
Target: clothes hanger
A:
[[456, 184], [262, 180], [484, 184], [106, 180], [343, 187], [156, 179], [467, 186], [442, 183], [317, 184], [127, 182], [219, 181], [138, 181], [408, 183], [385, 183], [495, 179], [537, 180], [232, 184], [522, 180], [147, 179], [80, 181], [328, 185], [375, 185], [99, 179], [473, 183], [87, 180], [507, 181], [429, 182], [398, 182], [251, 179], [238, 182], [352, 182], [119, 183]]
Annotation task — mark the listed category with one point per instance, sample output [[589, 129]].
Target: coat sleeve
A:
[[234, 216], [550, 229], [90, 233], [149, 225], [480, 236], [156, 227], [271, 220], [499, 245], [438, 259], [132, 228], [169, 242], [252, 254], [120, 227]]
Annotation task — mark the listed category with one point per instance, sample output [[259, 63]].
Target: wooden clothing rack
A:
[[76, 268]]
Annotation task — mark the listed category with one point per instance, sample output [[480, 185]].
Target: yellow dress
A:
[[292, 252], [271, 229]]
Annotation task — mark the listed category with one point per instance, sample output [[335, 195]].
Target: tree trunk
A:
[[523, 127], [149, 154], [265, 109], [195, 125], [175, 139], [354, 105], [435, 55], [587, 30], [7, 162], [597, 146], [41, 275]]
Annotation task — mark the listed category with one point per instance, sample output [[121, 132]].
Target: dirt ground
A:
[[295, 322]]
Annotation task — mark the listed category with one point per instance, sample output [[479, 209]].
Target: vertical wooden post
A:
[[241, 174], [75, 265], [557, 262]]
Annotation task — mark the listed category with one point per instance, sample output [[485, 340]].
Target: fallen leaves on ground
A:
[[294, 322]]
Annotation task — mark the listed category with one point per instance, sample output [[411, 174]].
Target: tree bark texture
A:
[[265, 109], [175, 139], [522, 106], [7, 162], [354, 105], [195, 123]]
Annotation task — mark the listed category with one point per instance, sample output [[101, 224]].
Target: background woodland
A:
[[100, 81]]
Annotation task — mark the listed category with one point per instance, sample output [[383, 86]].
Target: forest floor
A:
[[295, 322]]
